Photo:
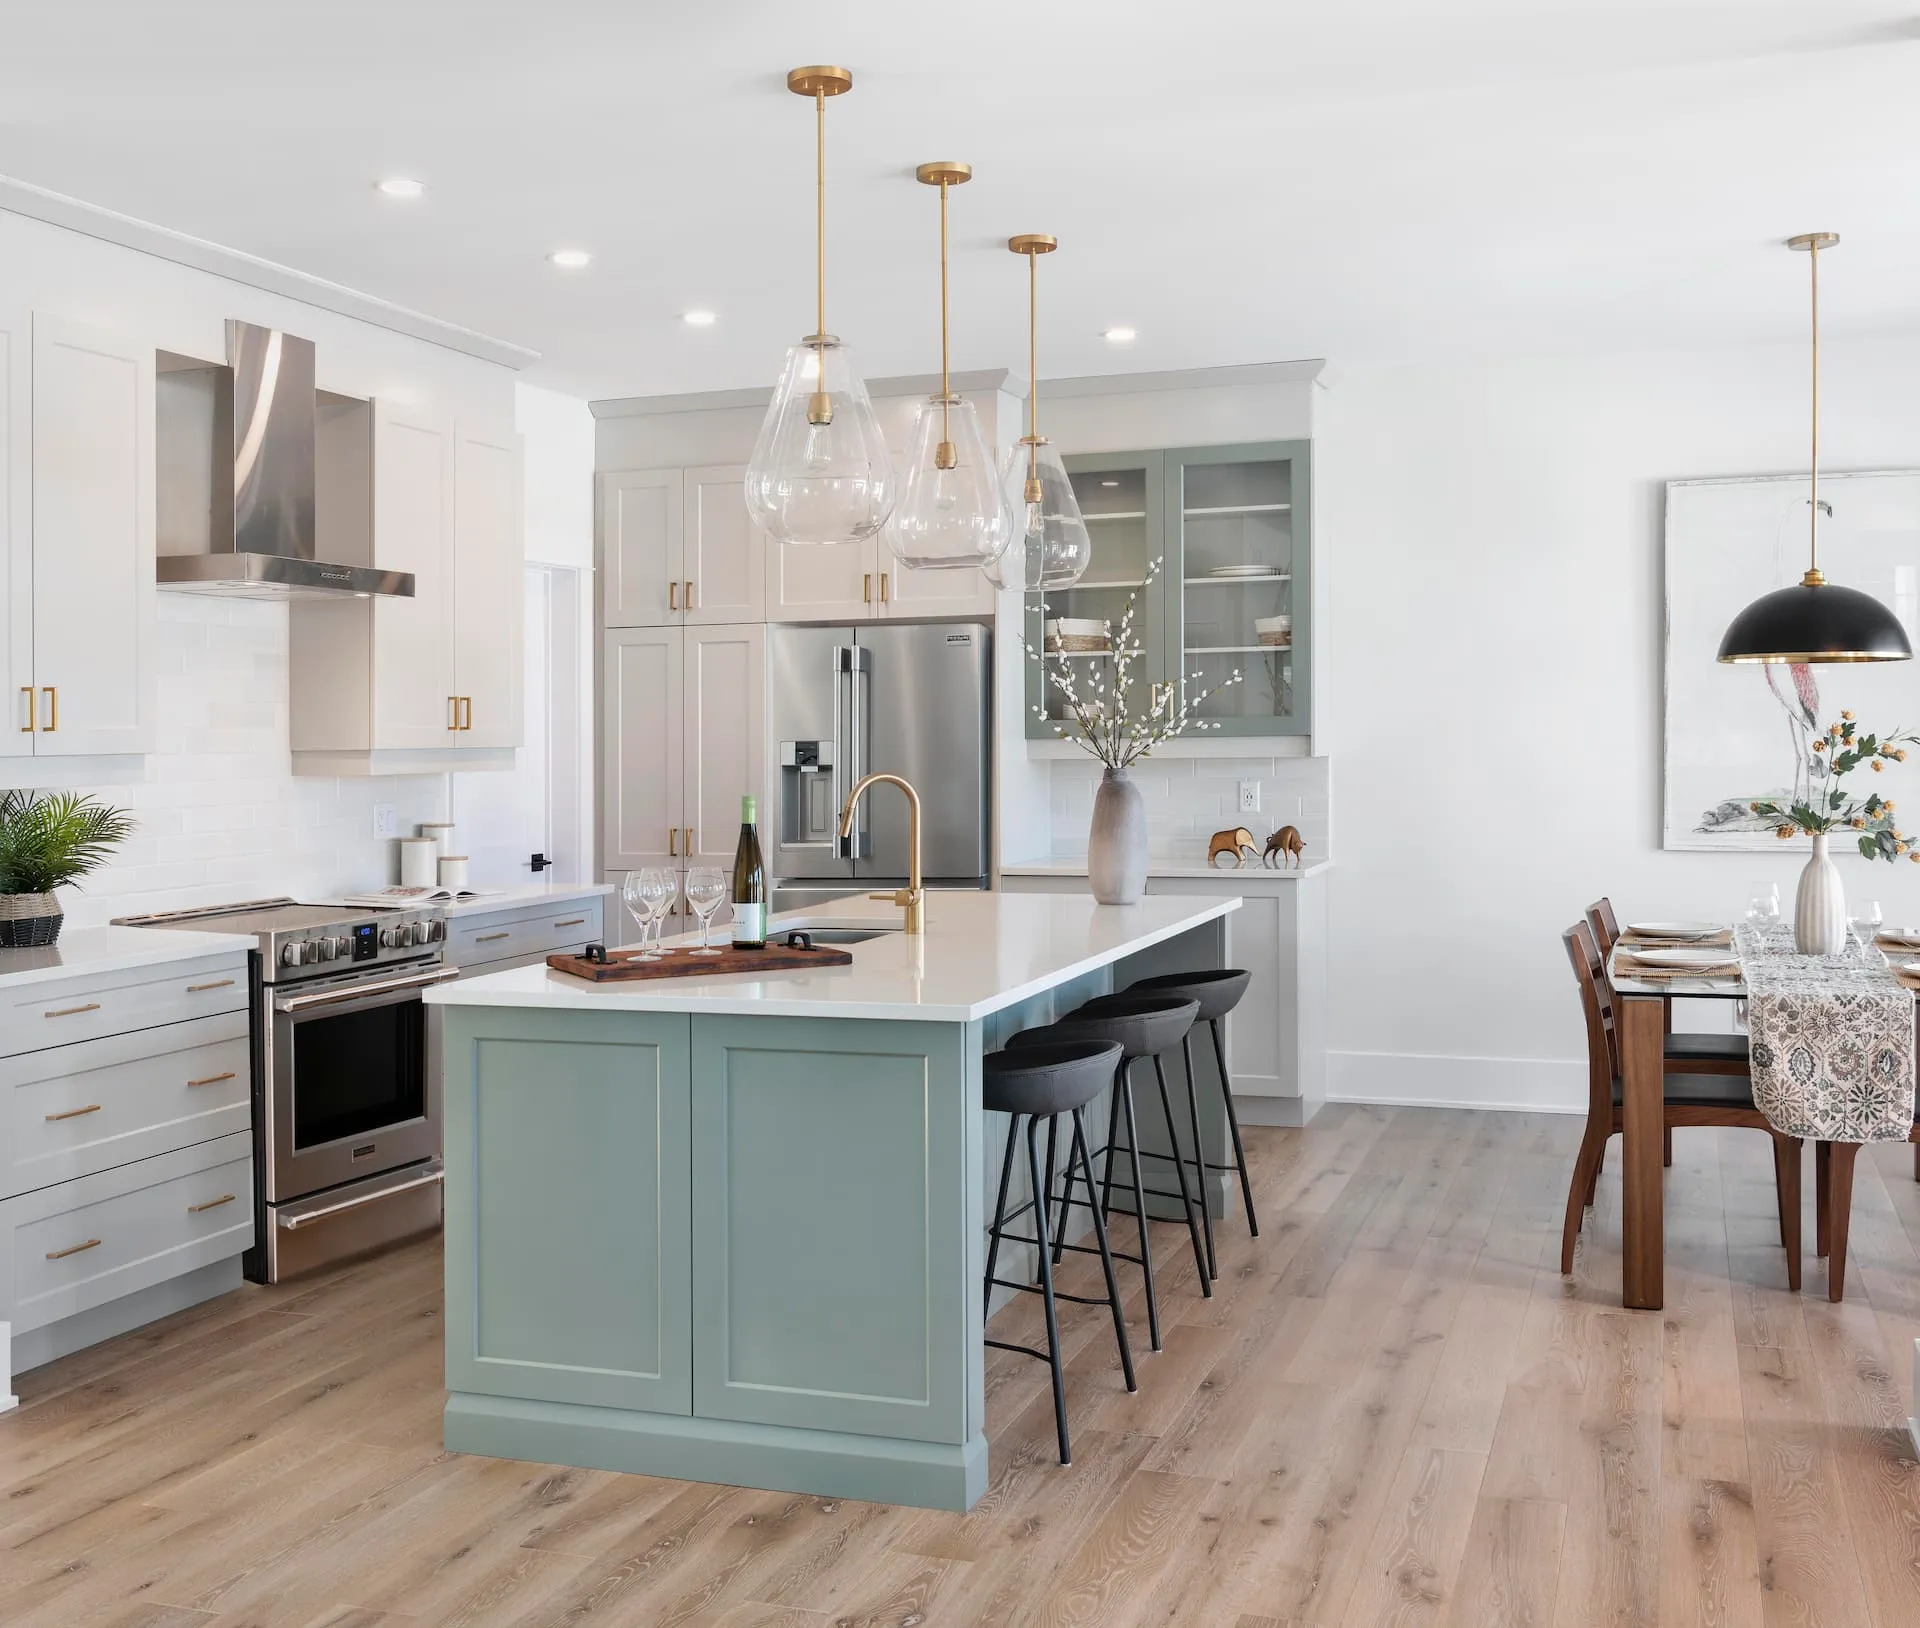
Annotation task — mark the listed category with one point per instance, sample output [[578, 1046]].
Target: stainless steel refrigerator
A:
[[915, 701]]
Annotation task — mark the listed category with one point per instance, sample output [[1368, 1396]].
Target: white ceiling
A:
[[1239, 180]]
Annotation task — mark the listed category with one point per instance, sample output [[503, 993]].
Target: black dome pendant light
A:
[[1815, 620]]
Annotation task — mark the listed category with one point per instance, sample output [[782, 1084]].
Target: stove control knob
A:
[[424, 932], [293, 955], [342, 946], [323, 947], [393, 938], [436, 930]]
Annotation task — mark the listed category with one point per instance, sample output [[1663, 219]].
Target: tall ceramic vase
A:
[[1820, 906], [1117, 841]]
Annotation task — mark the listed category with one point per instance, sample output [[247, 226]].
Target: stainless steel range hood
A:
[[236, 476]]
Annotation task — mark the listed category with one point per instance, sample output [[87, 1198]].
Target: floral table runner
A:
[[1832, 1039]]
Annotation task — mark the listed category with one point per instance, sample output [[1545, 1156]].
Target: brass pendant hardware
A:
[[944, 173], [1033, 245], [1810, 244], [820, 82]]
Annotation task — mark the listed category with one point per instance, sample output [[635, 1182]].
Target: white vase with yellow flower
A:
[[1829, 809]]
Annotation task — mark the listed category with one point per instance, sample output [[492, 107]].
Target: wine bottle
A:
[[749, 884]]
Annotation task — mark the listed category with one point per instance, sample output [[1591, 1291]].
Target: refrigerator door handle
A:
[[849, 731], [842, 679]]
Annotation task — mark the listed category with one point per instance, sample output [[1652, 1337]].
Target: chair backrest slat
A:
[[1605, 925], [1596, 1003]]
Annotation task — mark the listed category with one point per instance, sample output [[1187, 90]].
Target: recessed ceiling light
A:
[[401, 186], [570, 259], [1118, 336], [697, 319]]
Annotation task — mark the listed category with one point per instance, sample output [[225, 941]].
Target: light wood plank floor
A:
[[1393, 1411]]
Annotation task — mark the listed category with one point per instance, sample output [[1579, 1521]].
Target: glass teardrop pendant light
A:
[[820, 471], [1050, 547], [1815, 620], [950, 515]]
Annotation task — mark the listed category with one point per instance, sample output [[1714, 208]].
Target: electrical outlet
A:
[[1249, 796], [386, 820]]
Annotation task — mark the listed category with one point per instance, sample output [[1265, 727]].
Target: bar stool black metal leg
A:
[[1199, 1153], [1044, 1195], [1079, 1149], [1180, 1170], [999, 1215], [1113, 1139], [1233, 1124], [1124, 1085], [1046, 1290]]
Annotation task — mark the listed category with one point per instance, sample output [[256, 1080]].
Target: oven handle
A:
[[337, 997], [293, 1223]]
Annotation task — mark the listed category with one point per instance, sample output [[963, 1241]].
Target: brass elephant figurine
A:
[[1288, 844], [1238, 843]]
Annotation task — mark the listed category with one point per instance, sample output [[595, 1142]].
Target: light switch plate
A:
[[1249, 796], [386, 820]]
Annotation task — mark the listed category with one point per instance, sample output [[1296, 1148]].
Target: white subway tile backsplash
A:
[[1188, 799], [220, 814]]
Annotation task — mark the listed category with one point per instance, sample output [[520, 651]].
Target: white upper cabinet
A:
[[678, 547], [413, 695], [16, 533], [907, 593], [722, 550], [489, 583], [823, 582], [92, 569], [640, 523]]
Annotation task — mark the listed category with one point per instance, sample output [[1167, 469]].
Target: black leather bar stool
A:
[[1142, 1026], [1218, 991], [1035, 1083]]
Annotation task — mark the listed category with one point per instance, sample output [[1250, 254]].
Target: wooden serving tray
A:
[[622, 965]]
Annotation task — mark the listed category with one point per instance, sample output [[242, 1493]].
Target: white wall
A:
[[1489, 538]]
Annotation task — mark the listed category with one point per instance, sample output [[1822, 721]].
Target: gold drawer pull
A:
[[211, 1204], [75, 1113], [33, 711], [73, 1011], [572, 921], [488, 938], [62, 1254], [198, 989], [213, 1079]]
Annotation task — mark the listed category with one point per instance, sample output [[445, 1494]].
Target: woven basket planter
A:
[[29, 919]]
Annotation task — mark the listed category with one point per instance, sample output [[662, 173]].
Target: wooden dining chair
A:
[[1702, 1091]]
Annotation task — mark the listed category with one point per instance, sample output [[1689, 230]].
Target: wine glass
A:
[[633, 896], [1867, 920], [706, 887], [1763, 904], [657, 888]]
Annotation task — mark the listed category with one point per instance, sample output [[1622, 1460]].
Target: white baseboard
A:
[[1291, 1112], [1411, 1080]]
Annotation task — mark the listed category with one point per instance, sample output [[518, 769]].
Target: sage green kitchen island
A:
[[732, 1229]]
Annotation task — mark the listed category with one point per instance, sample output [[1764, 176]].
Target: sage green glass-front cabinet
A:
[[1231, 527]]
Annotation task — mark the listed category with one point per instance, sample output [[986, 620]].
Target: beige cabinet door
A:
[[413, 695], [907, 593], [16, 535], [642, 747], [489, 578], [722, 559], [725, 749], [823, 582], [93, 541], [641, 529]]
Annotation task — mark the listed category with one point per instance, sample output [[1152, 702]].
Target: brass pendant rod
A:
[[1813, 462], [946, 388], [1033, 368], [820, 237]]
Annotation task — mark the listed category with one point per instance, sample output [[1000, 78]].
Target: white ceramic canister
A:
[[441, 834], [419, 861], [453, 871]]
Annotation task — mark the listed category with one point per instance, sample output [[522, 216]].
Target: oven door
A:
[[352, 1080]]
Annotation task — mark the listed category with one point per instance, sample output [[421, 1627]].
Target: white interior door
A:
[[16, 533], [93, 540], [413, 690], [640, 547], [726, 680], [724, 553], [641, 749], [489, 570]]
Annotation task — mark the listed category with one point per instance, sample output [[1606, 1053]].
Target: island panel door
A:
[[833, 1215], [567, 1207]]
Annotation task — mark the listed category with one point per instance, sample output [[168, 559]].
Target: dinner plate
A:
[[1682, 958], [1679, 931]]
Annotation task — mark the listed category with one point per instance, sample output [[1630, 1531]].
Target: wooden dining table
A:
[[1641, 1008]]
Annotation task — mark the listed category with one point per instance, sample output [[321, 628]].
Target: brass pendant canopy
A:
[[1815, 620]]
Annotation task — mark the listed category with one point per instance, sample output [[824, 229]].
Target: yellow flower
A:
[[1900, 847], [1857, 823], [1846, 714], [1915, 858], [1783, 831], [1900, 756], [1887, 806], [1876, 765], [1820, 746]]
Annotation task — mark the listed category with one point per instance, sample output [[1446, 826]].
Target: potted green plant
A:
[[48, 842]]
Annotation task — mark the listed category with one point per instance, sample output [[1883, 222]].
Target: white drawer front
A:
[[492, 939], [62, 1014], [86, 1242], [74, 1110]]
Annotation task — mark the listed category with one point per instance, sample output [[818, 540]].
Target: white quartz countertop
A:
[[980, 952], [1076, 865], [515, 898], [85, 950]]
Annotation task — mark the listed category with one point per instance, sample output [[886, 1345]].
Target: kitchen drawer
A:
[[73, 1110], [72, 1010], [475, 940], [82, 1243]]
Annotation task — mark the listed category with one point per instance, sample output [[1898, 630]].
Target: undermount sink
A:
[[835, 932]]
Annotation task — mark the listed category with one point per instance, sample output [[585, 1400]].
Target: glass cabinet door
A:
[[1233, 517], [1120, 495]]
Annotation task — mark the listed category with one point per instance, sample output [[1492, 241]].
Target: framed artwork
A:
[[1735, 734]]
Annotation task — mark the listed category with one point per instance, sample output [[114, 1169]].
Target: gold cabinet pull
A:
[[572, 921], [673, 842], [33, 710], [689, 843], [866, 588], [689, 594], [883, 587], [53, 710], [453, 712], [673, 596], [212, 1203], [201, 989], [213, 1079], [466, 712], [75, 1113], [490, 938], [72, 1011], [74, 1249]]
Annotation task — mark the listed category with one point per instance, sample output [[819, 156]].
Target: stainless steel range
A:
[[346, 1074]]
